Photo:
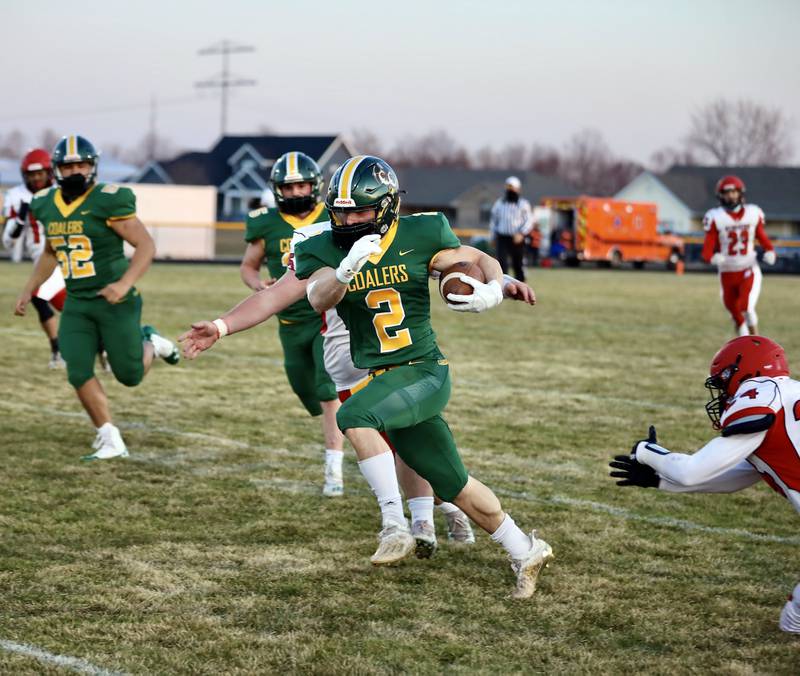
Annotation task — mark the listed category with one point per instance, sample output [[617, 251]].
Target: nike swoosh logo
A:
[[403, 253], [88, 211]]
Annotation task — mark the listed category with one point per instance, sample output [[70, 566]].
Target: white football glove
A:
[[770, 257], [482, 298], [357, 257], [717, 259]]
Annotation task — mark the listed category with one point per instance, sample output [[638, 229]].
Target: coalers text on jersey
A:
[[389, 275], [56, 228]]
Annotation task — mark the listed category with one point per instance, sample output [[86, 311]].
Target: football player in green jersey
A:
[[296, 183], [86, 224], [373, 265]]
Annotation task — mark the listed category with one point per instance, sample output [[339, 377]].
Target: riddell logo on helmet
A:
[[344, 202]]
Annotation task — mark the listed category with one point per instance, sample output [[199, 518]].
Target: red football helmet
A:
[[739, 359], [36, 160], [730, 183]]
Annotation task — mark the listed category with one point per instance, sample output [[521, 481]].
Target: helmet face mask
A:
[[75, 150], [738, 360], [362, 183], [725, 187], [296, 167]]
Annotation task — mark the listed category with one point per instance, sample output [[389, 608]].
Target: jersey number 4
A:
[[77, 262], [735, 238], [393, 316]]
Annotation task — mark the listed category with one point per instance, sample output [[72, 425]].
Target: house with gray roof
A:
[[684, 194], [239, 166], [466, 196]]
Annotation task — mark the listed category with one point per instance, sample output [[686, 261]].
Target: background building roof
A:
[[775, 189]]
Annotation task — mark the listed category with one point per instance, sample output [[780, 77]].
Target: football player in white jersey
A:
[[756, 406], [731, 233], [22, 235], [348, 379]]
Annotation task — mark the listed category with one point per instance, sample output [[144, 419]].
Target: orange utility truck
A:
[[610, 232]]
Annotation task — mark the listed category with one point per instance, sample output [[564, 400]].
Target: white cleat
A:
[[104, 363], [395, 543], [459, 529], [425, 537], [107, 444], [527, 568], [56, 362]]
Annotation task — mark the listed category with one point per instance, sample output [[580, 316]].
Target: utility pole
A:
[[152, 139], [224, 81]]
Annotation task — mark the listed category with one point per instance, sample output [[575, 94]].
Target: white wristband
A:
[[222, 327]]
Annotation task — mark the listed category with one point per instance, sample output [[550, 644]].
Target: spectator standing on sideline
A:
[[535, 245], [511, 220]]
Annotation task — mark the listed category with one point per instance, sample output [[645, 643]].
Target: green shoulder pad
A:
[[116, 202]]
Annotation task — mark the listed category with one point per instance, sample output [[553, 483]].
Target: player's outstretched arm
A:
[[513, 289], [132, 230], [252, 311], [44, 268]]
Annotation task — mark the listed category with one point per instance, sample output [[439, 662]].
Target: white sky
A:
[[487, 72]]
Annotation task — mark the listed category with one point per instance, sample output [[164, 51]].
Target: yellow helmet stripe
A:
[[72, 146], [291, 164], [345, 183]]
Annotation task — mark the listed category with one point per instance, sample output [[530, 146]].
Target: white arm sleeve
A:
[[735, 479], [716, 458]]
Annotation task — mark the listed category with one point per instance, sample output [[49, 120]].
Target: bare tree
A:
[[664, 158], [12, 145], [740, 133], [151, 147], [434, 149], [588, 164], [48, 139], [544, 160], [366, 142]]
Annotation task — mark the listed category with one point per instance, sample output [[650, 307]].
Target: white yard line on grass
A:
[[292, 487], [74, 663]]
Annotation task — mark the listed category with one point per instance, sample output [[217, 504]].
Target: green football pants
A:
[[406, 402], [85, 322], [304, 363]]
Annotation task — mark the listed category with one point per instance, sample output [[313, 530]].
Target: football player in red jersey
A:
[[22, 234], [731, 231], [756, 407]]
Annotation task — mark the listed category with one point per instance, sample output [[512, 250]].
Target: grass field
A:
[[210, 550]]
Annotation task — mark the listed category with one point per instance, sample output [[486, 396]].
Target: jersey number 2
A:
[[77, 262], [393, 316]]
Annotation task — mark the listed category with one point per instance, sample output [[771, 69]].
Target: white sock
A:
[[742, 330], [515, 542], [421, 509], [790, 615], [333, 462], [380, 474], [161, 346], [447, 508]]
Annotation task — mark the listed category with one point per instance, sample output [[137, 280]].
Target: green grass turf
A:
[[211, 551]]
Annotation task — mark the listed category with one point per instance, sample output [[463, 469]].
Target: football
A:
[[450, 282]]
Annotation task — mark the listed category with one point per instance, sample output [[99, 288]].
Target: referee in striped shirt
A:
[[511, 219]]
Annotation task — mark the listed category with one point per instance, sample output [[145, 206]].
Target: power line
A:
[[224, 81]]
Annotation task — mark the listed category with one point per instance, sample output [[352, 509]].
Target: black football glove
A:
[[630, 471]]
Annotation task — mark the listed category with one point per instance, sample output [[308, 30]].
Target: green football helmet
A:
[[363, 182], [296, 167], [71, 149]]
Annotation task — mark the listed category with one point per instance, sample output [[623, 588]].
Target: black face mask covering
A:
[[512, 196], [73, 186]]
